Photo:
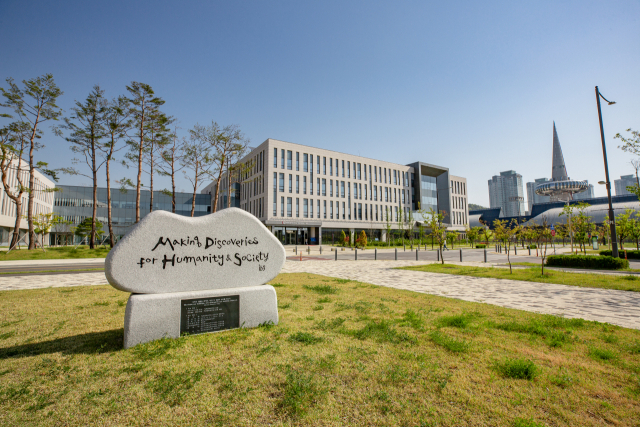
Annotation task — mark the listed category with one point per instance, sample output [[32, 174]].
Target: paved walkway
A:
[[604, 305]]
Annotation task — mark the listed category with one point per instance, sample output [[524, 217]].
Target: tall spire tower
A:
[[560, 188], [558, 168]]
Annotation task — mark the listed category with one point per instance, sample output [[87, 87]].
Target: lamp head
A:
[[601, 182]]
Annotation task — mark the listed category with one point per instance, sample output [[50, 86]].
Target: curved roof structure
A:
[[598, 213]]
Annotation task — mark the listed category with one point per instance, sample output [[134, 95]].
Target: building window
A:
[[348, 169], [290, 183], [275, 157], [282, 159], [282, 206], [325, 209], [318, 211], [343, 168], [324, 187], [324, 165], [331, 210], [360, 211], [318, 164], [311, 163], [289, 158], [375, 174], [305, 208], [282, 183], [318, 186], [342, 189], [355, 190], [385, 175], [275, 206], [305, 162], [359, 167], [297, 184], [366, 217], [330, 166], [304, 185], [311, 208], [360, 191], [297, 161], [343, 213], [365, 191], [330, 188], [289, 207], [297, 208]]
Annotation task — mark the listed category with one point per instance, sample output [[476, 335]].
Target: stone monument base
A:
[[150, 317]]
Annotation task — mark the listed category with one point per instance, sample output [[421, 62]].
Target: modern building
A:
[[532, 197], [43, 200], [587, 194], [308, 195], [505, 191], [622, 184], [75, 204]]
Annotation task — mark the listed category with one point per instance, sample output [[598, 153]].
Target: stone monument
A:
[[195, 275]]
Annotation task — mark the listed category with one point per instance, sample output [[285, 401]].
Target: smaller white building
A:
[[43, 202]]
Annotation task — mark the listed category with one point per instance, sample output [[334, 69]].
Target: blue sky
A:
[[474, 86]]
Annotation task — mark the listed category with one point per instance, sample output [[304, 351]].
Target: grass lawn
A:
[[344, 353], [585, 280], [79, 270], [67, 252]]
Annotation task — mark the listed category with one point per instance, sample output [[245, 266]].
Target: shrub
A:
[[630, 254], [586, 261], [481, 246], [533, 246]]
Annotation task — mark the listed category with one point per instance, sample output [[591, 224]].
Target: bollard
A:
[[404, 247], [416, 255], [336, 255], [529, 250], [375, 254], [320, 249], [309, 250], [300, 256], [396, 254], [356, 254], [295, 250], [460, 255], [438, 254], [485, 255], [411, 246], [515, 250]]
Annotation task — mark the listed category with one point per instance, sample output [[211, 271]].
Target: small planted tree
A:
[[343, 238], [42, 225], [472, 234], [84, 228], [624, 225], [362, 240], [542, 236], [438, 228], [506, 233]]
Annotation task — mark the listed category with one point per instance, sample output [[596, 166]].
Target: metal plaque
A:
[[201, 315]]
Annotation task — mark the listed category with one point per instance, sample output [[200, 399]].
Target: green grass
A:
[[55, 271], [67, 252], [372, 356], [586, 280]]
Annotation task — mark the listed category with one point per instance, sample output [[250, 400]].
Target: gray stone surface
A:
[[150, 317], [165, 252]]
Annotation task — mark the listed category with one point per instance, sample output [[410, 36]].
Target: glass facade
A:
[[76, 203], [429, 193]]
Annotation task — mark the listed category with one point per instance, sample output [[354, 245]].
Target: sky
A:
[[472, 86]]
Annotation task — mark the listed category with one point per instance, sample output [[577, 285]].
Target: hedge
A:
[[587, 261], [532, 246], [630, 254], [481, 246]]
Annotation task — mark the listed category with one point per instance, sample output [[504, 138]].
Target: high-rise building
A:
[[532, 197], [505, 191], [622, 184], [589, 193]]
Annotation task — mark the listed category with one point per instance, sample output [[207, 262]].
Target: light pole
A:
[[614, 242]]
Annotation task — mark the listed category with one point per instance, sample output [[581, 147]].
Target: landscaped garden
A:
[[344, 353], [65, 252]]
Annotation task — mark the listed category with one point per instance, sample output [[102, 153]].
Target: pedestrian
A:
[[445, 246]]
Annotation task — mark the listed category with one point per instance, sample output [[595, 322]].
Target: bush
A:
[[533, 246], [481, 246], [586, 261], [630, 254]]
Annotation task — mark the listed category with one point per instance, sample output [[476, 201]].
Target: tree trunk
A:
[[151, 181], [92, 236], [32, 234], [173, 183], [109, 222], [139, 167], [16, 230], [193, 199]]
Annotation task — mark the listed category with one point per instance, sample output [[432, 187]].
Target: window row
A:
[[343, 168], [282, 183], [325, 210]]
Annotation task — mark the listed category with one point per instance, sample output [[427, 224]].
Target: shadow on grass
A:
[[93, 342]]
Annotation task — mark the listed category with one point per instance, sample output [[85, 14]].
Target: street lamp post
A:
[[614, 242]]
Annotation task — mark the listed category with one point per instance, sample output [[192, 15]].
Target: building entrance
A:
[[292, 235]]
